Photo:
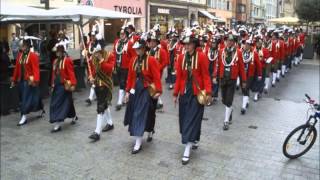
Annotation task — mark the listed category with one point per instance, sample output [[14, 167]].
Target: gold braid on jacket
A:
[[102, 77]]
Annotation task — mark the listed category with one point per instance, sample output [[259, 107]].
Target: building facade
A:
[[287, 8], [257, 12], [112, 26], [240, 11], [222, 9], [271, 8], [176, 13]]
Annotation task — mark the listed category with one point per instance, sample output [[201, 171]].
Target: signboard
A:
[[134, 7], [163, 11]]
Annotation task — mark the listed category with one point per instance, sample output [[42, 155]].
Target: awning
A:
[[206, 13], [11, 12], [88, 12], [284, 20], [7, 9]]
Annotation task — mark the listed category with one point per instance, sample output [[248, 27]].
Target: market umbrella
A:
[[284, 20]]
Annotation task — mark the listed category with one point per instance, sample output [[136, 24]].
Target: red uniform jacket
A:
[[272, 51], [200, 75], [237, 67], [31, 67], [214, 59], [180, 48], [134, 38], [302, 37], [107, 65], [162, 58], [291, 46], [254, 65], [294, 46], [222, 45], [263, 55], [282, 50], [127, 54], [66, 71], [151, 74], [297, 43], [202, 49]]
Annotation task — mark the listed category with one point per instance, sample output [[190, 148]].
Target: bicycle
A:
[[303, 134]]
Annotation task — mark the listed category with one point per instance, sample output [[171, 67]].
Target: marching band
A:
[[199, 61]]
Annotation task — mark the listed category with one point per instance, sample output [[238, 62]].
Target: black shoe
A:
[[195, 146], [56, 130], [118, 107], [95, 137], [74, 120], [42, 114], [159, 106], [278, 80], [237, 88], [149, 139], [225, 126], [108, 127], [185, 162], [273, 85], [230, 119], [88, 101], [283, 76], [265, 91], [134, 151], [243, 111], [24, 123]]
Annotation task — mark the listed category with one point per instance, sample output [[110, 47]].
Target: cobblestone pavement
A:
[[32, 152]]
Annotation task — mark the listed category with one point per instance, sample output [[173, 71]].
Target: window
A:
[[241, 8], [228, 5]]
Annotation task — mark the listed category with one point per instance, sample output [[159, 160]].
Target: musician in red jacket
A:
[[192, 78], [133, 37], [123, 53], [297, 48], [230, 66], [27, 75], [88, 51], [302, 41], [143, 85], [63, 83], [291, 44], [264, 56], [282, 67], [212, 52], [175, 48], [253, 71], [271, 44], [161, 56], [102, 65]]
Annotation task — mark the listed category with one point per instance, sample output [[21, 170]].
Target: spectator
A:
[[4, 64], [5, 45], [15, 46]]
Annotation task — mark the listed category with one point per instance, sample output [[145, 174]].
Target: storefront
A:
[[112, 26], [168, 17]]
